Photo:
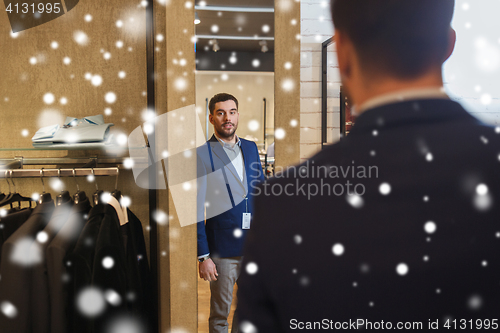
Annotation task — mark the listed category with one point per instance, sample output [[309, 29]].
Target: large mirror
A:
[[235, 55]]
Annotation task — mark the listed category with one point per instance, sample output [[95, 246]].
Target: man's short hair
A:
[[400, 38], [222, 97]]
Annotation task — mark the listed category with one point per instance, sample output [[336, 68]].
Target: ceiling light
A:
[[196, 18], [263, 45]]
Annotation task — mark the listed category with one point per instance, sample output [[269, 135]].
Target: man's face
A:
[[225, 119]]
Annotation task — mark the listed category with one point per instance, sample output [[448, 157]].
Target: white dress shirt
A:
[[233, 151]]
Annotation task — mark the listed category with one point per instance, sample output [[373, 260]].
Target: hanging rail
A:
[[78, 172], [87, 162]]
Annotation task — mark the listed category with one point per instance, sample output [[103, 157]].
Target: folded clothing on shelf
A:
[[88, 132]]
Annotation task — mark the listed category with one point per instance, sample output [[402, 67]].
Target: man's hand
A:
[[208, 271]]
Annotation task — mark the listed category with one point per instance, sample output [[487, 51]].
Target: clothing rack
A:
[[76, 172], [85, 162]]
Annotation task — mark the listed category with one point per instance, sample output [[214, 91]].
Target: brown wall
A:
[[287, 82], [23, 85], [177, 245]]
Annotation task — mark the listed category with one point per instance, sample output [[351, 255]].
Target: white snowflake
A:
[[108, 262], [110, 97], [160, 217], [49, 98], [338, 249], [247, 327], [475, 302], [251, 268], [430, 227], [355, 200], [279, 133], [486, 99], [26, 252], [288, 85], [81, 38], [125, 201], [96, 80], [8, 309], [113, 298], [297, 239], [90, 302], [402, 269], [253, 125], [42, 237], [384, 188]]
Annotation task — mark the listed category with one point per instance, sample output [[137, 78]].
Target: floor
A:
[[204, 306]]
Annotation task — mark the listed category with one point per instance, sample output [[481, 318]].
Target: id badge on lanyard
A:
[[246, 217]]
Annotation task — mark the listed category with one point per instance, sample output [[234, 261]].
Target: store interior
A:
[[132, 60]]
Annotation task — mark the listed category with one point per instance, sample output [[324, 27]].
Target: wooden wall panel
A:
[[23, 85], [177, 245], [287, 82]]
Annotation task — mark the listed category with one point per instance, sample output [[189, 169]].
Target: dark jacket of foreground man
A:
[[435, 158]]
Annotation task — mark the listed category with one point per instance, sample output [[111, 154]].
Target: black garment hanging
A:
[[79, 265], [40, 303], [61, 245], [18, 256], [11, 222], [140, 278], [128, 276]]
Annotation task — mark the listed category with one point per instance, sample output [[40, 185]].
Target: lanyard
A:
[[224, 174]]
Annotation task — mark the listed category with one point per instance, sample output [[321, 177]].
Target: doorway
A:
[[235, 54]]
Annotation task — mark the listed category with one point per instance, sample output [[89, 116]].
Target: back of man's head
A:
[[401, 38]]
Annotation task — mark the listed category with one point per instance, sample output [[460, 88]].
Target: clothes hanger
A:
[[116, 193], [2, 195], [15, 197], [64, 196], [10, 192], [116, 204], [79, 196], [45, 197], [97, 194]]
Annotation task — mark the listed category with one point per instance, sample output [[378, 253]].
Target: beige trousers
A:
[[221, 295]]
